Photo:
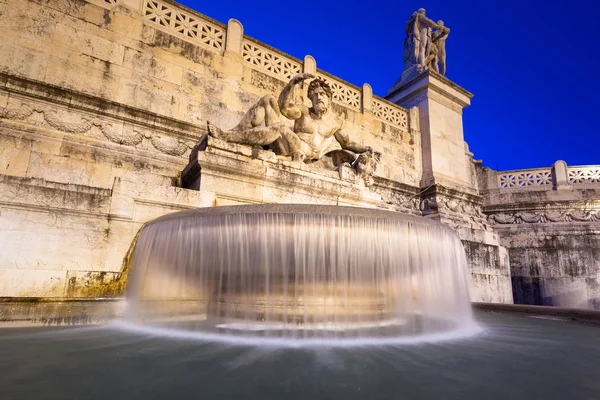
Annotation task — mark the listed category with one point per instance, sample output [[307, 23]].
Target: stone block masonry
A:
[[549, 220], [103, 101]]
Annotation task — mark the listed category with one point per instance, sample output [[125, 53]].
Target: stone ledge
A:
[[34, 312], [96, 105], [435, 82], [575, 314]]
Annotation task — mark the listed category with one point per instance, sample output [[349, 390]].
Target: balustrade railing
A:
[[558, 176], [584, 174], [524, 178], [198, 29]]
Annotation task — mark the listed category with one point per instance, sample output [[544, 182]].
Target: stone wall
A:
[[102, 102], [549, 220]]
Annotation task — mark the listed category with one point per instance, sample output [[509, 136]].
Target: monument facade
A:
[[114, 112]]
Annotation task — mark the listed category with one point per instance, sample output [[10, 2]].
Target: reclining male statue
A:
[[317, 130]]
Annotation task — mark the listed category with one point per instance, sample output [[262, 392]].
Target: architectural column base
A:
[[489, 266]]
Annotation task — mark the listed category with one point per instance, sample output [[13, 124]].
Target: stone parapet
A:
[[549, 220], [103, 103]]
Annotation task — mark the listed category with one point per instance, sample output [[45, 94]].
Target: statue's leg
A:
[[422, 47], [442, 62], [280, 147], [254, 128], [258, 136], [295, 146]]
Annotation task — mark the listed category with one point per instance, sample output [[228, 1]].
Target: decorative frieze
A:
[[440, 202], [70, 121], [543, 216], [455, 210]]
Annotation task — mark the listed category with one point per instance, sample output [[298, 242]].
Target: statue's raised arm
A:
[[287, 103]]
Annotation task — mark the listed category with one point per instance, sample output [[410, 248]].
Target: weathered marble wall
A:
[[549, 220], [100, 104], [102, 101]]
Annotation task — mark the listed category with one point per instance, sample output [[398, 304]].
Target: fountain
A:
[[302, 272]]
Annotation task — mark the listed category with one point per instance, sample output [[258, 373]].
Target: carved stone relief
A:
[[457, 208], [543, 216], [72, 122]]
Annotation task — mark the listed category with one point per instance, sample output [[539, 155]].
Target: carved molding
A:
[[543, 217], [71, 122], [443, 100], [413, 101], [438, 202], [60, 123], [20, 113], [169, 145], [126, 138], [456, 208]]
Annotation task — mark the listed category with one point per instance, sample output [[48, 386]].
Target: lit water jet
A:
[[300, 272]]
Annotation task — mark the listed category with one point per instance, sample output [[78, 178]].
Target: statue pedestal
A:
[[449, 189], [444, 152], [408, 74]]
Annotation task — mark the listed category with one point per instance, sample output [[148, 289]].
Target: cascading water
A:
[[304, 272]]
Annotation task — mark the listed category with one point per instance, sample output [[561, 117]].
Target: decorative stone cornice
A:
[[93, 104], [429, 82], [79, 114], [464, 209], [543, 216]]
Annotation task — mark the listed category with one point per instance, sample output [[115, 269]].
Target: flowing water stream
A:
[[307, 272]]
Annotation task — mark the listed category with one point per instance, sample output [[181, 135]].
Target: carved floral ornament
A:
[[525, 178], [72, 123], [446, 203], [542, 217], [589, 174]]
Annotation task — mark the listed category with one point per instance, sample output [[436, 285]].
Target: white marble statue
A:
[[317, 131], [423, 46]]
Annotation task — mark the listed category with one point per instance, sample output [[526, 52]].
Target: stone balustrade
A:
[[201, 30], [559, 176], [559, 194], [549, 220]]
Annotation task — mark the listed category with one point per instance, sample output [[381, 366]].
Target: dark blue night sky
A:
[[532, 66]]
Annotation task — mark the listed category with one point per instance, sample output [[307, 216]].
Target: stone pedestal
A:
[[440, 104], [449, 189]]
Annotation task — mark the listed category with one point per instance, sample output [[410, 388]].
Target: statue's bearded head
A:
[[320, 94], [421, 11]]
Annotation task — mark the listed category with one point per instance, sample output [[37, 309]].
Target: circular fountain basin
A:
[[299, 271]]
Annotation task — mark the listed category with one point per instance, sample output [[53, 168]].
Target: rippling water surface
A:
[[513, 357]]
